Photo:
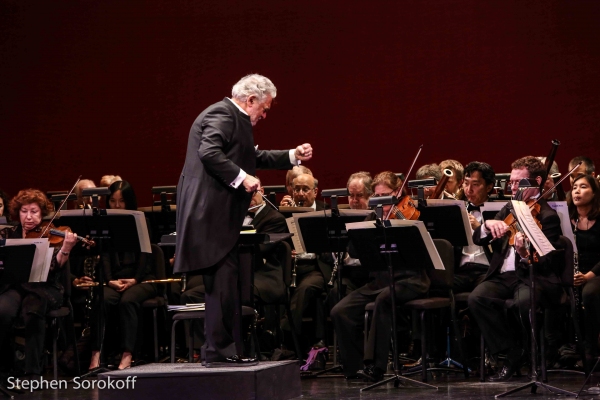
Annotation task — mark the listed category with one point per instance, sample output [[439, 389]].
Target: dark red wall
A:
[[112, 87]]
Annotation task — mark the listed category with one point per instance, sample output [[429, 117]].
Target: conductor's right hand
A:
[[251, 184]]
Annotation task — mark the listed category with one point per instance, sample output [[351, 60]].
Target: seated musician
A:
[[454, 186], [429, 171], [84, 202], [288, 199], [108, 180], [26, 304], [123, 273], [4, 212], [507, 276], [586, 168], [584, 210], [370, 362], [472, 261], [353, 275], [312, 270]]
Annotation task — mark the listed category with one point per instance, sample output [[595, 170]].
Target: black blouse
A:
[[588, 248]]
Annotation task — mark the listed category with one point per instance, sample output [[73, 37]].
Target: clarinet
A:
[[334, 271], [293, 284], [89, 264]]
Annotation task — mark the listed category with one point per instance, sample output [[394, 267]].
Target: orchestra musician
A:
[[507, 277], [4, 211], [454, 185], [28, 303], [429, 171], [370, 362], [313, 271], [84, 202], [123, 274], [584, 210], [587, 167], [213, 195], [288, 199], [108, 180], [479, 179]]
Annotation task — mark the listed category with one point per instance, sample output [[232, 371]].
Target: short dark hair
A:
[[485, 169], [5, 201], [595, 211], [429, 170], [589, 164], [532, 164], [127, 193]]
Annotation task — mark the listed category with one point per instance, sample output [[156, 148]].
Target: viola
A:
[[406, 208], [55, 235]]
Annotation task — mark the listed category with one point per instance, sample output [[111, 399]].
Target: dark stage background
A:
[[112, 87]]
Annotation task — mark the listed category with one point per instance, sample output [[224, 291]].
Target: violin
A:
[[406, 208], [55, 235]]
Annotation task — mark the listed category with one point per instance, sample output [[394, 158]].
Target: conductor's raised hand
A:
[[303, 152], [251, 184]]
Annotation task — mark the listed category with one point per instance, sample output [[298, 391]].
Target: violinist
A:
[[507, 277], [28, 303], [584, 210], [370, 361], [123, 273], [472, 260]]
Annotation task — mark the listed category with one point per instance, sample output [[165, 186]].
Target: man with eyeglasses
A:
[[508, 276]]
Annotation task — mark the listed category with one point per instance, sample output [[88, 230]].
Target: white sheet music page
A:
[[298, 243], [532, 231], [41, 259], [562, 209]]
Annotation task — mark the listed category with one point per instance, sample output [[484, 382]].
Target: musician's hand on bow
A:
[[496, 228], [287, 201], [251, 184], [303, 152], [473, 221]]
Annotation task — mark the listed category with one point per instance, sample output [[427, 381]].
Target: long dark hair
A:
[[127, 193], [595, 211], [5, 201]]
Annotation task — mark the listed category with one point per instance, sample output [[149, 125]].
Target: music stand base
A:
[[534, 385], [325, 371], [588, 377], [6, 393], [94, 372], [397, 379]]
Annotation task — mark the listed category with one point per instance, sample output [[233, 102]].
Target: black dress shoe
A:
[[233, 361], [505, 374], [371, 373]]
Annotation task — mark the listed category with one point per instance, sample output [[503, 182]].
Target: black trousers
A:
[[221, 286], [590, 296], [129, 304], [32, 309], [348, 320], [309, 287], [194, 294]]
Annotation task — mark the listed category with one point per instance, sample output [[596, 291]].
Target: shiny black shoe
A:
[[370, 373], [505, 373], [233, 361]]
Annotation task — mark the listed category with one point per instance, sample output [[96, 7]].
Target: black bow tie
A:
[[473, 207], [250, 214]]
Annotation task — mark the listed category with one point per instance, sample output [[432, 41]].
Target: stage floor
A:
[[453, 386]]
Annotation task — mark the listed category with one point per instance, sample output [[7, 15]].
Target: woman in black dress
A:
[[123, 273], [584, 210], [26, 304]]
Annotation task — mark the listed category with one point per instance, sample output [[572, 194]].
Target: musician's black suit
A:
[[486, 301], [210, 212], [348, 316]]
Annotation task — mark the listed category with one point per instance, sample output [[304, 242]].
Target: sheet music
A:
[[327, 213], [140, 223], [463, 213], [298, 244], [532, 231], [431, 249], [41, 259], [562, 209], [491, 206]]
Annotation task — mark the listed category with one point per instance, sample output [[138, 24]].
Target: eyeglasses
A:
[[382, 194], [302, 189]]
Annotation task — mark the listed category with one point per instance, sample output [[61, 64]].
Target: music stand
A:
[[388, 246], [272, 191], [16, 263], [119, 232]]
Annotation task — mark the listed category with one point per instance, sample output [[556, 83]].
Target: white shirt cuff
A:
[[293, 159], [240, 178], [484, 231]]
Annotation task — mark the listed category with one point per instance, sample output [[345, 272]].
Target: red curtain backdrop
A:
[[111, 87]]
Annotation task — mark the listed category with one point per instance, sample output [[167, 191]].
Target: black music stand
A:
[[392, 247], [16, 263], [272, 190], [119, 233]]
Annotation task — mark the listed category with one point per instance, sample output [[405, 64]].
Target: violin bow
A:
[[60, 207]]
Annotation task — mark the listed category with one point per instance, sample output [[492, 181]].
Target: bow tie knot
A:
[[472, 207]]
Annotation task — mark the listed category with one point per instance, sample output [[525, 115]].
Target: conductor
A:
[[213, 194]]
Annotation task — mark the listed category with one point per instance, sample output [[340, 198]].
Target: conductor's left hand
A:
[[303, 152]]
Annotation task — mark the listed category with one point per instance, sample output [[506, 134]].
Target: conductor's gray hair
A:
[[253, 84]]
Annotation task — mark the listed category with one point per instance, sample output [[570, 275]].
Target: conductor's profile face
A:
[[257, 110]]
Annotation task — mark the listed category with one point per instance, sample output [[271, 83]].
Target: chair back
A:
[[443, 279]]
